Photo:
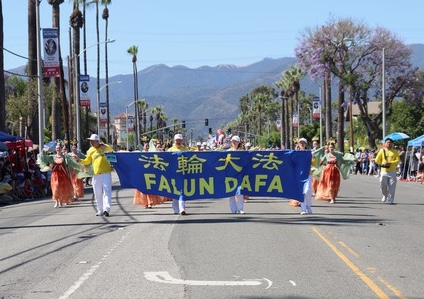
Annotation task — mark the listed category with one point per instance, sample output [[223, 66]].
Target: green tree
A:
[[133, 50]]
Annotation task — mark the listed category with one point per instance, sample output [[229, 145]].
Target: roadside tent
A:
[[417, 142], [3, 146], [6, 137]]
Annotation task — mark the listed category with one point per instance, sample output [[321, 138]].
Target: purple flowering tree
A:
[[352, 53]]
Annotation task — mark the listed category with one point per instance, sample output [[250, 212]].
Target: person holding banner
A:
[[102, 177], [306, 205], [236, 201], [178, 204]]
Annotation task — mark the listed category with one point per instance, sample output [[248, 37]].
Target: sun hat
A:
[[178, 136], [303, 140], [94, 137], [236, 138]]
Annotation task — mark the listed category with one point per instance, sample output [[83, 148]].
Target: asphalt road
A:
[[356, 248]]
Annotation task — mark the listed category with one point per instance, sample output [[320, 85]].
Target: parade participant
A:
[[306, 205], [148, 200], [315, 147], [236, 201], [329, 184], [388, 159], [102, 177], [60, 181], [178, 204], [77, 182]]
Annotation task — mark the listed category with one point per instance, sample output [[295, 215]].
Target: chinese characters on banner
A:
[[316, 108], [214, 174], [51, 52], [84, 98]]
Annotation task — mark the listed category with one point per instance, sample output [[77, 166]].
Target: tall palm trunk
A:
[[105, 16], [32, 119], [2, 87], [340, 118], [55, 82], [76, 22], [327, 106]]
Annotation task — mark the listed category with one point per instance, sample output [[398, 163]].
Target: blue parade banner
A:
[[193, 175]]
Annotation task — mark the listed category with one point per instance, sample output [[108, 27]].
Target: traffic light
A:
[[206, 122], [210, 131], [183, 124]]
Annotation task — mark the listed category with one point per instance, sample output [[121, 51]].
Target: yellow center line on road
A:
[[368, 281]]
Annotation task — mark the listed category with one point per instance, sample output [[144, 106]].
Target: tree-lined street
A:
[[356, 248]]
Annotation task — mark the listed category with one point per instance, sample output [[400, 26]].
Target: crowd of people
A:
[[61, 173]]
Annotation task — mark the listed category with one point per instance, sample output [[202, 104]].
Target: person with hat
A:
[[388, 159], [236, 201], [178, 204], [306, 205], [102, 177]]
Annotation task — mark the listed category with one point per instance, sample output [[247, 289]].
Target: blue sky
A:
[[197, 33]]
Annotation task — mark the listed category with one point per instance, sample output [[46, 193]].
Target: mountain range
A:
[[208, 92]]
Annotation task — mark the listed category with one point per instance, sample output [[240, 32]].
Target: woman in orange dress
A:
[[76, 182], [60, 182], [329, 184], [148, 200]]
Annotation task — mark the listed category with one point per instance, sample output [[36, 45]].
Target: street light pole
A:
[[77, 90], [383, 93], [98, 108], [39, 85]]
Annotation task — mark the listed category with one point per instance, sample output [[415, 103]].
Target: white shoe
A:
[[384, 199], [55, 205], [303, 213], [332, 201], [241, 212]]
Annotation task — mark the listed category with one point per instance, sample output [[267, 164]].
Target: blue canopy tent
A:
[[6, 137], [419, 141], [411, 159]]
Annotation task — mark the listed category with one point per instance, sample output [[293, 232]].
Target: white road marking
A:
[[90, 272], [293, 283], [165, 277]]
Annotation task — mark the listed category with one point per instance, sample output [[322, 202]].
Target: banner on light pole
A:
[[316, 108], [103, 113], [130, 123], [84, 87], [51, 52], [295, 119]]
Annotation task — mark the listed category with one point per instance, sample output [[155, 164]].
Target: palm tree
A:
[[133, 50], [105, 16], [76, 22], [32, 70], [142, 106], [2, 86], [59, 108]]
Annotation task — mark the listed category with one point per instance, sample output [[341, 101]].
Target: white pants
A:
[[102, 188], [306, 205], [388, 181], [178, 206], [236, 203]]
